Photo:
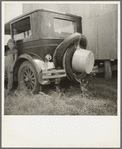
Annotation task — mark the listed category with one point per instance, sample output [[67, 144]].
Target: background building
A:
[[99, 25]]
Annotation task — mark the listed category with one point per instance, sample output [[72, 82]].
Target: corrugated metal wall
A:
[[99, 24]]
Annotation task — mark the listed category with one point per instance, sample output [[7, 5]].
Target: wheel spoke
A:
[[33, 82], [24, 78], [32, 78], [28, 85], [32, 85], [32, 75], [24, 75], [29, 71]]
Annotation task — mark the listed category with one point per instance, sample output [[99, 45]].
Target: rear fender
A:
[[34, 60]]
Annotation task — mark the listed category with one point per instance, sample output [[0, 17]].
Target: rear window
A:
[[64, 26]]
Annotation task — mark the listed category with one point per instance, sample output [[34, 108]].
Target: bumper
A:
[[52, 75]]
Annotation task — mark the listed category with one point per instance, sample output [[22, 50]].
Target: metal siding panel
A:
[[94, 10], [90, 31], [107, 41], [106, 8]]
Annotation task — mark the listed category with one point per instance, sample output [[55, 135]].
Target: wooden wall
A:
[[99, 24]]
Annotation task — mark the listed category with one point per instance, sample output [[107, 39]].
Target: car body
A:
[[41, 33]]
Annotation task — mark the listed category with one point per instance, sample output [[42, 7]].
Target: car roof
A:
[[7, 25]]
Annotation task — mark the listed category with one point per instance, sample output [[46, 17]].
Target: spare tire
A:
[[67, 64], [67, 61], [63, 46]]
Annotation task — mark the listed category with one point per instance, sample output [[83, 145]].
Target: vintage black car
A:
[[47, 43]]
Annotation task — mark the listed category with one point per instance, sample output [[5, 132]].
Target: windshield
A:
[[64, 26]]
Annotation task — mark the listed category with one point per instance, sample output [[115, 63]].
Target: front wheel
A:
[[27, 77]]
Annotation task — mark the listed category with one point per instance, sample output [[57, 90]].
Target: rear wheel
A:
[[27, 77]]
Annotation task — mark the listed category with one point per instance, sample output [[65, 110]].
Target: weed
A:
[[95, 96]]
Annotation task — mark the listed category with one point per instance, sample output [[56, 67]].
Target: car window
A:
[[21, 29], [64, 26]]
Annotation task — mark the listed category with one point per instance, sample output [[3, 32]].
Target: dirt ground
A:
[[96, 96]]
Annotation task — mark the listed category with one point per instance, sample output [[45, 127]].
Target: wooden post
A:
[[108, 70]]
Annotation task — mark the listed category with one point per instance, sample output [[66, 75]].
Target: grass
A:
[[99, 98]]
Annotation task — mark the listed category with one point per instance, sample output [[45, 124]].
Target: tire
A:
[[67, 64], [27, 77]]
